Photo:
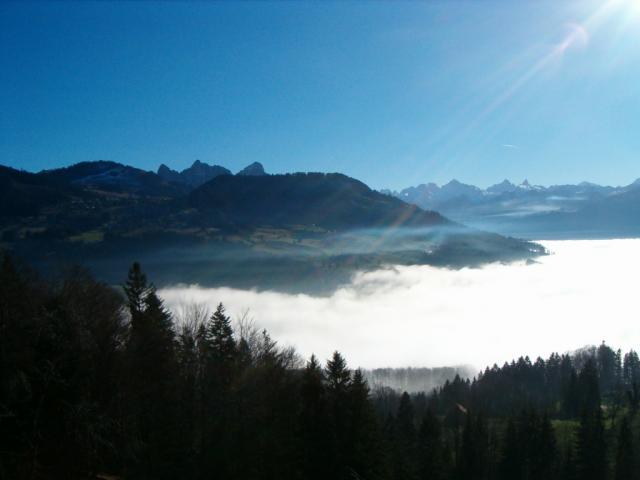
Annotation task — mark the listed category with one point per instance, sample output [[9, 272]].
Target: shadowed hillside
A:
[[332, 201], [303, 231]]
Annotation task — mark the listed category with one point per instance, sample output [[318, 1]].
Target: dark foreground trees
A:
[[98, 381]]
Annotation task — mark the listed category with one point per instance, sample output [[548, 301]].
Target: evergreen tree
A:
[[626, 463], [473, 462], [405, 463], [543, 455], [591, 447], [589, 387], [337, 373], [431, 452], [631, 368], [136, 289], [606, 366], [219, 337], [152, 397], [364, 458], [512, 462], [633, 397], [219, 369], [86, 388], [314, 421], [618, 367], [338, 380], [571, 396]]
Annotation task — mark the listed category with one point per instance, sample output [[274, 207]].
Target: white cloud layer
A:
[[586, 292]]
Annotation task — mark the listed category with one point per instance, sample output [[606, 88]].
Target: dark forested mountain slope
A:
[[112, 177], [331, 201], [247, 230], [24, 194]]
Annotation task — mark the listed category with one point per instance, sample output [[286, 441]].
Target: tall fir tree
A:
[[544, 454], [151, 352], [591, 456], [511, 462], [405, 462], [626, 466], [136, 289], [589, 387], [219, 337], [338, 380], [432, 458], [473, 460], [219, 356], [364, 457], [314, 423]]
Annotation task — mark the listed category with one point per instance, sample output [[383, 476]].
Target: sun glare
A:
[[631, 8]]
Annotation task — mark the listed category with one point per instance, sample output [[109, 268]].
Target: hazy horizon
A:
[[418, 181]]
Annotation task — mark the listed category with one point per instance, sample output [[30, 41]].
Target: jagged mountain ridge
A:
[[200, 173], [194, 176], [302, 231], [585, 210], [26, 193]]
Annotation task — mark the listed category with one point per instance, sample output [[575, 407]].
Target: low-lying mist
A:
[[583, 293]]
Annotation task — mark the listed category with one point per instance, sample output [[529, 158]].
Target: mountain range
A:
[[200, 173], [581, 211], [205, 225]]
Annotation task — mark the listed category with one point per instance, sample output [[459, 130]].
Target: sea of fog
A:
[[583, 293]]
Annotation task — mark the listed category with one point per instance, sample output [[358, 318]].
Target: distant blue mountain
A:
[[197, 174], [585, 210], [254, 170], [200, 173]]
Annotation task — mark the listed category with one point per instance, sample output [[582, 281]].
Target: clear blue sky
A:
[[391, 93]]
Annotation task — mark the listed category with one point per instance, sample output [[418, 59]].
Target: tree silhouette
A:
[[626, 463], [591, 447], [96, 383]]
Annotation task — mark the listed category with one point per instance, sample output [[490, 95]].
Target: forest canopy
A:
[[97, 381]]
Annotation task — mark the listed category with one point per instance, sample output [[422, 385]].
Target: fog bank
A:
[[583, 293]]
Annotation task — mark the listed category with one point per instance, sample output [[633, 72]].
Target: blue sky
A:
[[391, 93]]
